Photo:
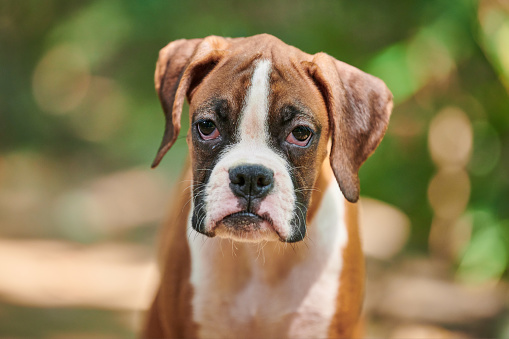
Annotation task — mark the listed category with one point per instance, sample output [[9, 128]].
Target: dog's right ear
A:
[[181, 66]]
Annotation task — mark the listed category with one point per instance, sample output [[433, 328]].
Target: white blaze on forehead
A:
[[253, 126]]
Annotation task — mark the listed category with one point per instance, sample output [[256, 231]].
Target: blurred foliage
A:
[[76, 87], [431, 54], [486, 256]]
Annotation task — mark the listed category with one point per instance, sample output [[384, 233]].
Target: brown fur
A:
[[170, 315], [351, 293]]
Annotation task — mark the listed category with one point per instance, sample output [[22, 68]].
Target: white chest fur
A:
[[270, 290]]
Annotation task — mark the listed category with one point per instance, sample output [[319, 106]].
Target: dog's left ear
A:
[[181, 66], [359, 107]]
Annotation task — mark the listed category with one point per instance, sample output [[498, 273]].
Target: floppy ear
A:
[[359, 106], [181, 66]]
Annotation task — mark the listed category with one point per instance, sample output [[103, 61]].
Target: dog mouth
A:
[[243, 220], [246, 226]]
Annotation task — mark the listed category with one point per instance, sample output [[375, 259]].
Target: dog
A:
[[263, 239]]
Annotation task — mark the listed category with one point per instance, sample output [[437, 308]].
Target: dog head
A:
[[261, 115]]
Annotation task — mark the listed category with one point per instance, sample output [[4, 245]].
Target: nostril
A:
[[263, 181], [259, 182], [238, 179], [241, 180]]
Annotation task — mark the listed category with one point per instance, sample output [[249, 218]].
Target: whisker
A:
[[221, 246], [307, 189]]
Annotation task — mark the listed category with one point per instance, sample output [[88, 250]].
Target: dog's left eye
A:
[[207, 130], [300, 136]]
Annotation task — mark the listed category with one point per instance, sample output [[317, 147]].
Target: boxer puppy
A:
[[263, 240]]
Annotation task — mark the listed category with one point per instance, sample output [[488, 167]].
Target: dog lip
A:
[[243, 217], [244, 214], [255, 218]]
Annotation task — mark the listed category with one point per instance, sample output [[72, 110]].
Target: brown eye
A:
[[301, 133], [207, 130], [300, 136]]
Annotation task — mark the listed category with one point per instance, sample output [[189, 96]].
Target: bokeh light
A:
[[61, 79], [450, 138]]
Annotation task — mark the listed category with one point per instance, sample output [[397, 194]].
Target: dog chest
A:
[[272, 289]]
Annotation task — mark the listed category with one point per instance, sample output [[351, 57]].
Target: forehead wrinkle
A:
[[297, 110], [203, 110], [211, 108]]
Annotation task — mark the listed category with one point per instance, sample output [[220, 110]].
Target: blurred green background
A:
[[80, 123]]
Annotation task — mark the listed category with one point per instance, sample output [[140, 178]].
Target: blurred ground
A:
[[80, 122], [65, 289]]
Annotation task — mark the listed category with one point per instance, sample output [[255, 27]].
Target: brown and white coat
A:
[[280, 258]]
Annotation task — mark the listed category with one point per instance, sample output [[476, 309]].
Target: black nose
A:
[[251, 181]]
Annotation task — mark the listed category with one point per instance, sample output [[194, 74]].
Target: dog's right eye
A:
[[207, 130]]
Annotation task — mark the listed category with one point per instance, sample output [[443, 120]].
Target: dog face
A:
[[255, 145], [261, 115]]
